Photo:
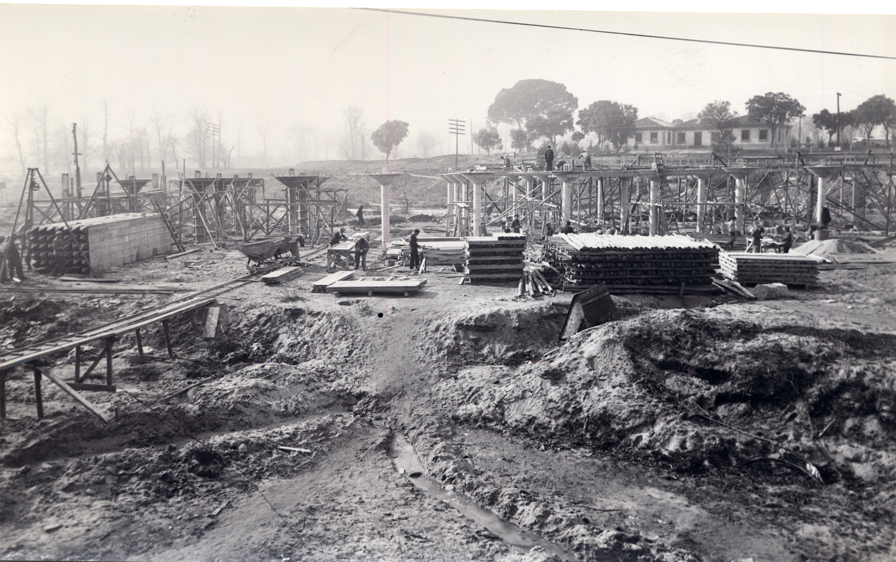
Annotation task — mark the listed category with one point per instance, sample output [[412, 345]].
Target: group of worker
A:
[[755, 242], [11, 263]]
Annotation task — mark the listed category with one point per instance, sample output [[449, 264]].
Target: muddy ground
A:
[[451, 426]]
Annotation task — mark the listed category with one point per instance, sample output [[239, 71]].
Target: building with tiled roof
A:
[[655, 134]]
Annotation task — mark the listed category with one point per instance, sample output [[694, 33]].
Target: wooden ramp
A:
[[374, 286]]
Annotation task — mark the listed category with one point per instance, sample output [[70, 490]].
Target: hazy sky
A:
[[288, 65]]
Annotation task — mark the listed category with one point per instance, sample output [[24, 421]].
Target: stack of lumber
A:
[[720, 240], [634, 264], [320, 286], [377, 285], [282, 275], [790, 269], [436, 250], [497, 258], [532, 283]]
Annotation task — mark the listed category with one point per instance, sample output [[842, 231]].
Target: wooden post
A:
[[38, 398], [167, 338], [109, 361], [2, 394], [565, 202], [600, 199], [653, 209], [139, 342], [701, 203], [624, 205], [77, 363], [385, 196]]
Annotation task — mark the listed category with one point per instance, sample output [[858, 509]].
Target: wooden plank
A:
[[321, 284], [93, 387], [73, 393], [211, 322], [181, 254], [282, 275]]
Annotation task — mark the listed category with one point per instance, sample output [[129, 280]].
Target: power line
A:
[[640, 35]]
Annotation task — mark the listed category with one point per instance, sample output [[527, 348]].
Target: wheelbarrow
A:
[[266, 254]]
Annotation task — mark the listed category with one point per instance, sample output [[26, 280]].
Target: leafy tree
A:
[[876, 110], [717, 116], [775, 109], [540, 107], [389, 135], [827, 121], [609, 121], [519, 140], [488, 139]]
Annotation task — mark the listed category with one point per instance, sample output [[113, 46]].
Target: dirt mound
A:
[[824, 248], [698, 390]]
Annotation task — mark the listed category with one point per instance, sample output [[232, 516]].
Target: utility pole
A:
[[838, 121], [77, 167], [456, 128]]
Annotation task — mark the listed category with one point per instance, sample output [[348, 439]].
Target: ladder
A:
[[662, 226]]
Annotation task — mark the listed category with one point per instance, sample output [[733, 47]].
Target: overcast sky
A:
[[288, 65]]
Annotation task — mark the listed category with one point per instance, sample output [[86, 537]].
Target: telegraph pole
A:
[[456, 128], [77, 167], [838, 121]]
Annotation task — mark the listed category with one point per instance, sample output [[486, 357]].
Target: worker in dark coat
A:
[[59, 253], [415, 249], [360, 215], [10, 261], [515, 225], [361, 248], [787, 243], [548, 230], [549, 158], [338, 237], [568, 229]]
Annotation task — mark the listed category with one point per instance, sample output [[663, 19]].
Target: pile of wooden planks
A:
[[377, 285], [436, 251], [532, 283], [790, 269], [282, 275], [320, 286], [497, 258], [633, 264]]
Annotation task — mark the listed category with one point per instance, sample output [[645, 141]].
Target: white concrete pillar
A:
[[701, 203], [600, 199], [624, 204], [740, 191], [516, 188], [477, 209], [820, 199], [385, 194], [566, 202], [654, 210]]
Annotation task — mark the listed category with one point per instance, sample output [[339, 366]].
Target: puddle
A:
[[404, 457]]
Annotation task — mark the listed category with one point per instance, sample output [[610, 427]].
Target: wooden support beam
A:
[[2, 394], [109, 361], [68, 390], [38, 397], [93, 366], [139, 342], [167, 338], [77, 363]]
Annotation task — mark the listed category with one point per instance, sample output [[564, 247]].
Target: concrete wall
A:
[[119, 239]]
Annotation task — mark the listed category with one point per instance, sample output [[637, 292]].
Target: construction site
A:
[[212, 378], [284, 284]]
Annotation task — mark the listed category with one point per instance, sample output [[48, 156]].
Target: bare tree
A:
[[198, 136], [15, 124], [354, 123], [263, 128], [425, 142], [40, 129], [158, 121], [142, 140], [298, 133], [172, 141]]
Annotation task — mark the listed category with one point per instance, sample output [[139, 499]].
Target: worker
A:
[[361, 247], [10, 261], [548, 230], [515, 225], [338, 237], [732, 226], [732, 237], [549, 158], [360, 215], [568, 229], [787, 243], [415, 249], [59, 254], [756, 239]]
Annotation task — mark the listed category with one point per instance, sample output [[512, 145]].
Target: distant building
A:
[[652, 133]]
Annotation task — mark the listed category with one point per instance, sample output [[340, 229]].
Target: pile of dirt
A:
[[700, 390], [833, 246]]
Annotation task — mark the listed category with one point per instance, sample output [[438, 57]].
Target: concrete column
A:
[[740, 191], [515, 188], [701, 203], [477, 209], [600, 199], [624, 204], [566, 202], [820, 199], [654, 210], [385, 196]]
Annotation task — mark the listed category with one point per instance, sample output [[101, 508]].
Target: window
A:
[[745, 135], [682, 138], [654, 138], [763, 134], [637, 137]]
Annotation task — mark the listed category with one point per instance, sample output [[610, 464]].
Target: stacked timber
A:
[[377, 285], [636, 264], [437, 251], [790, 269], [497, 258], [282, 275], [320, 286]]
